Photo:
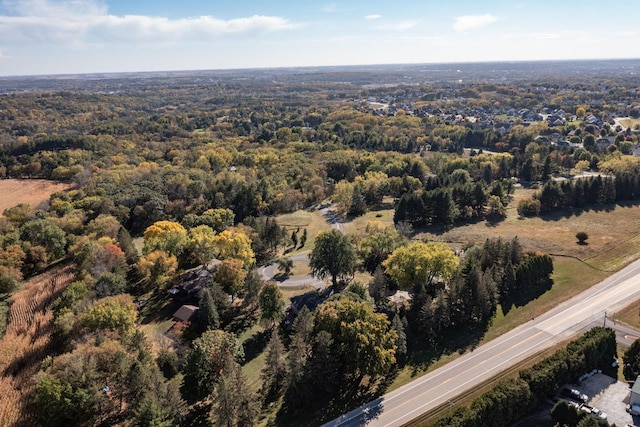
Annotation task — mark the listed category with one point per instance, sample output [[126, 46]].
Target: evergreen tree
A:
[[299, 353], [401, 340], [235, 404], [208, 317], [252, 285], [323, 366], [274, 373], [303, 239], [378, 286]]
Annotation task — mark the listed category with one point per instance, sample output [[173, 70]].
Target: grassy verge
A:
[[629, 315], [570, 278], [617, 257], [357, 225]]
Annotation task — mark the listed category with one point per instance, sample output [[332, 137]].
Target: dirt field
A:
[[31, 191], [26, 343]]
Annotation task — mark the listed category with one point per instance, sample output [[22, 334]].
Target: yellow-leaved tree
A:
[[202, 244], [421, 263], [168, 236], [234, 244]]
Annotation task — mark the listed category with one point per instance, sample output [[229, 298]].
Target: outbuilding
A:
[[185, 313]]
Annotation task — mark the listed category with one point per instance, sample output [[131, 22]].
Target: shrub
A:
[[582, 237], [529, 207]]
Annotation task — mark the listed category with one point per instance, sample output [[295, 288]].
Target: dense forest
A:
[[176, 176]]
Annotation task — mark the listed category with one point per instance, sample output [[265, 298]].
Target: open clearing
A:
[[629, 122], [30, 191], [613, 231]]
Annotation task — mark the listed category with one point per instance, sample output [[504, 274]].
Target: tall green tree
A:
[[210, 356], [235, 405], [631, 361], [271, 304], [299, 350], [208, 316], [274, 373], [44, 232], [333, 255]]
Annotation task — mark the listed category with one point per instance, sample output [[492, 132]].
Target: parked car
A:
[[598, 413], [574, 394]]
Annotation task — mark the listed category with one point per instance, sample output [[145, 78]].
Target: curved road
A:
[[578, 314], [268, 271]]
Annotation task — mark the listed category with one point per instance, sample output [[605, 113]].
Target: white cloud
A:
[[372, 17], [79, 22], [470, 22], [398, 26]]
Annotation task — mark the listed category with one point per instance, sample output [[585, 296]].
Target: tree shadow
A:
[[560, 214], [158, 307], [493, 221], [255, 345], [525, 296], [241, 320]]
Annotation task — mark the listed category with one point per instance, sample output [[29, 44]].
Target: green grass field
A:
[[312, 221]]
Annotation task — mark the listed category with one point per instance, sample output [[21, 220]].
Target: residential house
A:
[[185, 313]]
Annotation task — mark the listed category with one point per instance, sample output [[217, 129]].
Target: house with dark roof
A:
[[604, 143], [185, 313], [192, 283]]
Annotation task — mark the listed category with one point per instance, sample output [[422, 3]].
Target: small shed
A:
[[635, 393], [185, 313]]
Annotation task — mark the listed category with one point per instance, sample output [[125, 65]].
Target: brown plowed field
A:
[[31, 191]]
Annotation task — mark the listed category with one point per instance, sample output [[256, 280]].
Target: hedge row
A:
[[513, 399]]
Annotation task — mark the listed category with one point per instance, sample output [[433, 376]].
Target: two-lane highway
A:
[[444, 384]]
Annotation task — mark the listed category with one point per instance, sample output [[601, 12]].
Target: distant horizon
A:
[[310, 67], [71, 37]]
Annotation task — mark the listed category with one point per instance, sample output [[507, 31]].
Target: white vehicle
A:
[[598, 413]]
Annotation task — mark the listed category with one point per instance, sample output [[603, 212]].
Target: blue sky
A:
[[86, 36]]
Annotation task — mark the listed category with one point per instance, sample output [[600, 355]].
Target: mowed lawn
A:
[[30, 191], [311, 220]]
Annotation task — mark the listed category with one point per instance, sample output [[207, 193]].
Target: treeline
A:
[[513, 399], [578, 193], [499, 272], [445, 200]]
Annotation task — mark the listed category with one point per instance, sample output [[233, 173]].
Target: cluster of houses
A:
[[500, 119]]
